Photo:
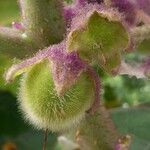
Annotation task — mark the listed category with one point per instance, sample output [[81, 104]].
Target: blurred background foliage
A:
[[120, 91]]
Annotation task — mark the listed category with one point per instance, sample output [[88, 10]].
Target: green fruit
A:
[[44, 108]]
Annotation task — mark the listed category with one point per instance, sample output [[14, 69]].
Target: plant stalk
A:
[[96, 132], [15, 43], [43, 20]]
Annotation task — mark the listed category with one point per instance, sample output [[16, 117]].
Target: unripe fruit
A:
[[44, 108]]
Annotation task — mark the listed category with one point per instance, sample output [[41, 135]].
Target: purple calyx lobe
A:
[[66, 68]]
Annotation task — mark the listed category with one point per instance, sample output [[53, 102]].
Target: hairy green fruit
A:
[[44, 108]]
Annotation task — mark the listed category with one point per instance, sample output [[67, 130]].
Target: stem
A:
[[45, 139], [97, 83], [96, 132], [14, 44], [43, 20]]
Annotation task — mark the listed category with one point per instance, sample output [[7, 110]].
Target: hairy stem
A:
[[97, 132], [15, 44], [45, 139], [43, 20]]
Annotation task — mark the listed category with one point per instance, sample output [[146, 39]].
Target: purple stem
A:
[[97, 83]]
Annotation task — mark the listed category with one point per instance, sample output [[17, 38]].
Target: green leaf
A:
[[144, 47], [14, 130], [100, 40], [139, 144], [11, 122], [31, 140], [135, 122], [5, 63], [9, 11], [35, 141]]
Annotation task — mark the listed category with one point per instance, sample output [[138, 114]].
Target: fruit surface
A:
[[44, 108]]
